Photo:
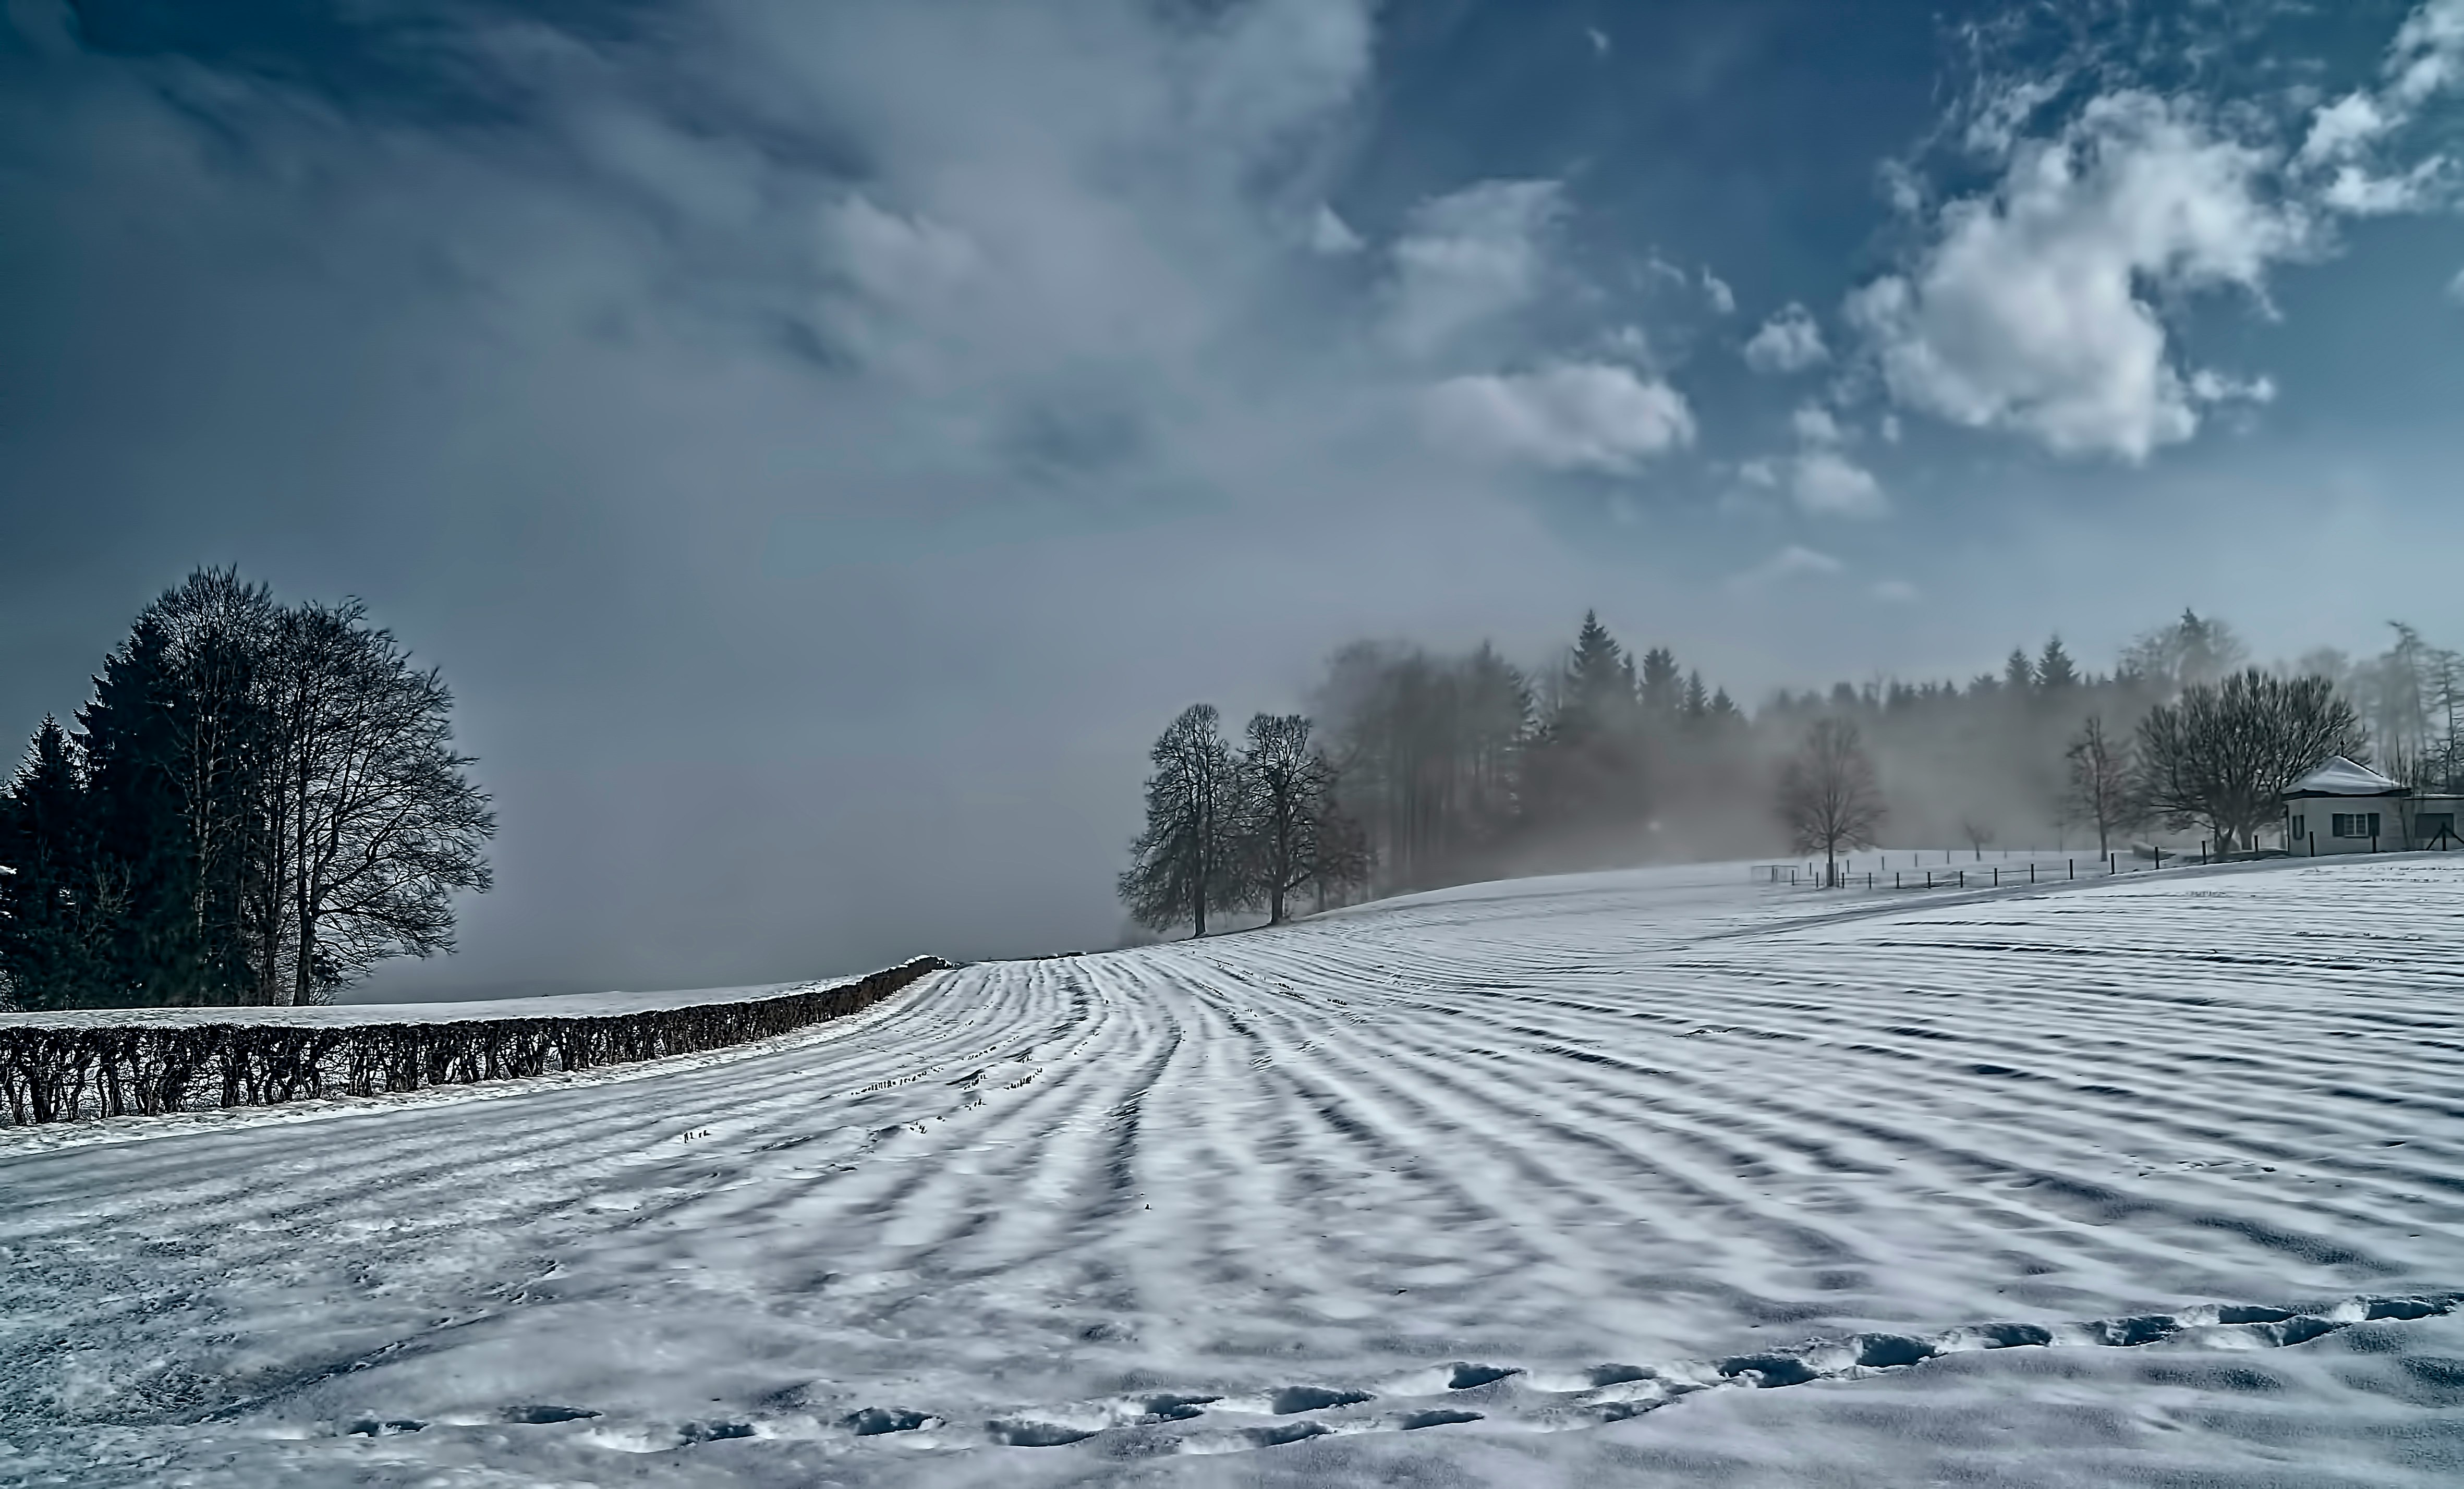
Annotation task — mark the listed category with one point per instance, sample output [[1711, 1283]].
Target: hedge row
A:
[[64, 1072]]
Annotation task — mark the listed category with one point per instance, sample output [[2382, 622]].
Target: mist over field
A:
[[821, 447]]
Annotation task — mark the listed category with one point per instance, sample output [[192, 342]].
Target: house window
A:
[[2431, 827], [2300, 830], [2354, 825]]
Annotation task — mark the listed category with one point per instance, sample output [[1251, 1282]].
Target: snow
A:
[[2341, 778], [2122, 1180]]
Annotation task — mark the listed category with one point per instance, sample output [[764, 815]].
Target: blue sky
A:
[[822, 442]]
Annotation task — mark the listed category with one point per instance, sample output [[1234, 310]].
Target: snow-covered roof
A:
[[2341, 778]]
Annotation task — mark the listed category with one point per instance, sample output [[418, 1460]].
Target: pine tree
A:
[[2018, 673], [1183, 864], [1662, 691], [54, 906], [1599, 683], [2054, 670], [129, 738], [1698, 703]]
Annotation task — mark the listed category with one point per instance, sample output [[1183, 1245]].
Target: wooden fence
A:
[[62, 1072]]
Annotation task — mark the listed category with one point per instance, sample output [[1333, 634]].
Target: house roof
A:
[[2341, 778]]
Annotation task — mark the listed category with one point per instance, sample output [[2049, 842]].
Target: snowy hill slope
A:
[[1518, 1183]]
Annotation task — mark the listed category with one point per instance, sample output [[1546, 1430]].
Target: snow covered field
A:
[[2159, 1179]]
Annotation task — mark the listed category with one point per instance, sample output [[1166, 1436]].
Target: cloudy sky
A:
[[823, 442]]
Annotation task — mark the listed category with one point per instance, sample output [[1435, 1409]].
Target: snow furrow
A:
[[1431, 1172]]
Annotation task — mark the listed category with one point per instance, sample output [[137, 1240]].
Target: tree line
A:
[[2217, 757], [258, 805], [1446, 769]]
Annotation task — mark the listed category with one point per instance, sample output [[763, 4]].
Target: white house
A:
[[2342, 807]]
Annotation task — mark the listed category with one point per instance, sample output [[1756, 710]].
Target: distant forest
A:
[[1443, 769]]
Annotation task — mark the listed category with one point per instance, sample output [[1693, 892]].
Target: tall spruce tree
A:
[[1698, 703], [1598, 687], [1662, 690], [129, 735], [56, 909], [2054, 670]]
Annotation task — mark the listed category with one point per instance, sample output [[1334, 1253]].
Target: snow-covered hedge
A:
[[62, 1068]]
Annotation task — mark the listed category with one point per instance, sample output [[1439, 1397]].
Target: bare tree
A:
[[1182, 865], [1829, 801], [1287, 797], [2097, 789], [1976, 835], [2224, 754], [372, 824], [1346, 859]]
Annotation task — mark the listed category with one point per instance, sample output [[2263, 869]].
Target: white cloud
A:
[[2030, 310], [1828, 484], [2455, 288], [1277, 65], [1792, 562], [1814, 424], [1331, 234], [1891, 428], [2344, 129], [2211, 386], [1895, 591], [2428, 55], [2004, 114], [1821, 481], [2356, 191], [906, 260], [2425, 58], [1629, 341], [1468, 259], [1723, 300], [1575, 416], [1789, 341], [1599, 41]]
